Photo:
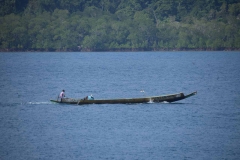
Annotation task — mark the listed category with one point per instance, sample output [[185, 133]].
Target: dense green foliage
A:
[[87, 25]]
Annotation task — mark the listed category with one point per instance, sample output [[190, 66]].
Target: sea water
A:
[[205, 126]]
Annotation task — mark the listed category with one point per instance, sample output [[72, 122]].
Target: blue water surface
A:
[[205, 126]]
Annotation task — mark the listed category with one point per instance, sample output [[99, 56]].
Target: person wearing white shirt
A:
[[62, 95]]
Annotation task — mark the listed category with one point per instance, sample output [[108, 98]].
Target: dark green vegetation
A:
[[112, 25]]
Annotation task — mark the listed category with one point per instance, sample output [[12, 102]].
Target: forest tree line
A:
[[117, 25]]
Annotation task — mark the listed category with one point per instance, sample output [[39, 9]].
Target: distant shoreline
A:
[[116, 50]]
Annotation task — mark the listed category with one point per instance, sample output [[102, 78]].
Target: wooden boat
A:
[[155, 99]]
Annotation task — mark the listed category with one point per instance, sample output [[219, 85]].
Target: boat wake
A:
[[24, 104], [37, 103]]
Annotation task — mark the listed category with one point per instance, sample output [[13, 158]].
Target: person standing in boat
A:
[[62, 95]]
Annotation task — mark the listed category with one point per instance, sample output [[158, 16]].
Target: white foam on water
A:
[[37, 103], [151, 101], [164, 102]]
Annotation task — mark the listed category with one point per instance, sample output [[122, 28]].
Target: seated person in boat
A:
[[89, 98]]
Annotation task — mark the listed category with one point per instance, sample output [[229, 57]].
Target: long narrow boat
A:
[[155, 99]]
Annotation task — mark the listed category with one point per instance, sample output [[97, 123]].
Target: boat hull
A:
[[155, 99]]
